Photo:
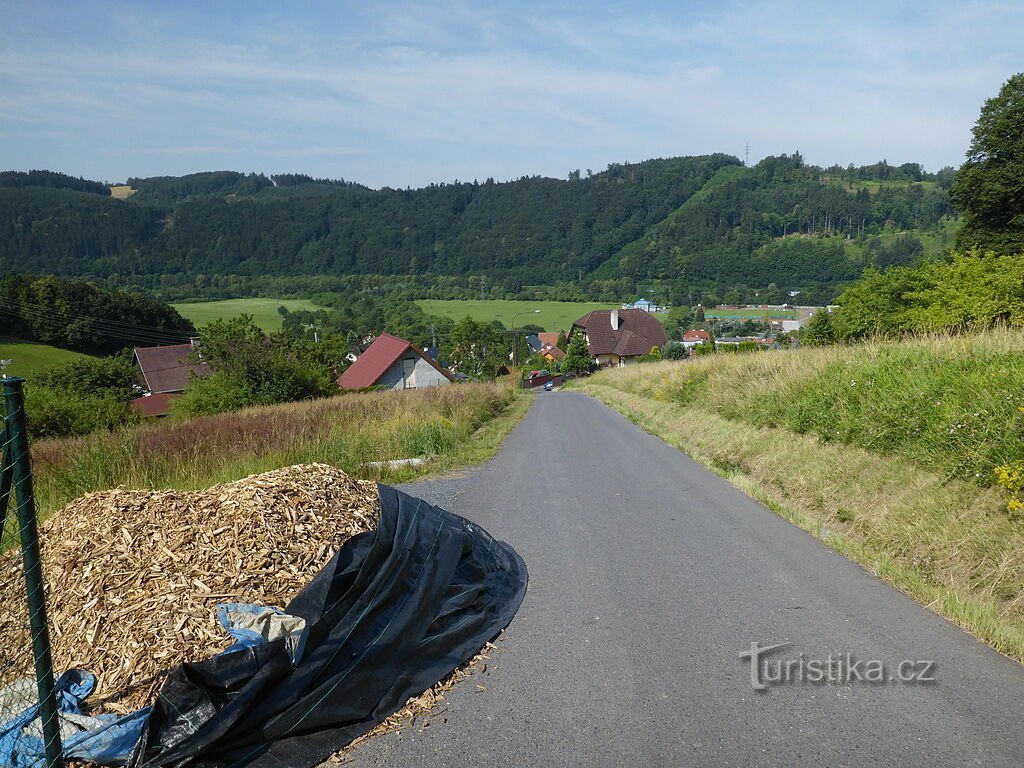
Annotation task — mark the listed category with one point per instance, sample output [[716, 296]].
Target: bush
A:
[[674, 350], [53, 412]]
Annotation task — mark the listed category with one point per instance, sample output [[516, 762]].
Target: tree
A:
[[577, 355], [477, 349], [674, 350], [989, 187], [250, 368]]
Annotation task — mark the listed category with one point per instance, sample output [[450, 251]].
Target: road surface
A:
[[648, 576]]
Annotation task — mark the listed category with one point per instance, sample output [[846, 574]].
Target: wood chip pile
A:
[[134, 577]]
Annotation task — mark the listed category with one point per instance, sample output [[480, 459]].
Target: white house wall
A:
[[425, 375]]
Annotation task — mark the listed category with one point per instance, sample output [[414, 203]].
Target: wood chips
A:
[[134, 577]]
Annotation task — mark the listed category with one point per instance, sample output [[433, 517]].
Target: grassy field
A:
[[264, 311], [885, 451], [748, 314], [448, 426], [28, 357], [553, 315]]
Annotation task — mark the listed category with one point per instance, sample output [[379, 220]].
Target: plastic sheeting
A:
[[395, 611], [103, 739]]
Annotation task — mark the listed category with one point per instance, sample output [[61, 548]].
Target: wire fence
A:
[[28, 706]]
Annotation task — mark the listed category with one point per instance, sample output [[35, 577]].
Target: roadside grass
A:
[[264, 311], [903, 506], [28, 357], [553, 315], [449, 427]]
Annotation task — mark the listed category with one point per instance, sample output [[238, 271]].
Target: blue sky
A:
[[403, 94]]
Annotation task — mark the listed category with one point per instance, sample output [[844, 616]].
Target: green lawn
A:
[[756, 314], [28, 357], [264, 311], [553, 315]]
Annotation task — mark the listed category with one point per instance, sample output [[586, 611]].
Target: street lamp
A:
[[517, 314]]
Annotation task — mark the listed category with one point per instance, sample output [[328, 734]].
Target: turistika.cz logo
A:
[[835, 669]]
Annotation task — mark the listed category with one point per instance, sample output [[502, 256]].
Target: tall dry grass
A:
[[350, 431]]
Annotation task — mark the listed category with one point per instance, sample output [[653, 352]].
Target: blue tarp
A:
[[105, 739]]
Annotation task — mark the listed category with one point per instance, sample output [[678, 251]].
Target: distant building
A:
[[644, 304], [394, 363], [620, 336], [168, 368], [695, 338], [164, 373]]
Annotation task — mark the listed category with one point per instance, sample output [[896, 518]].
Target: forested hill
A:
[[690, 220]]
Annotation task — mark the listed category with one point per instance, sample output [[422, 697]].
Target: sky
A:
[[409, 93]]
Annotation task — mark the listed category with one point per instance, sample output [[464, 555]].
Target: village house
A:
[[394, 363], [645, 304], [695, 338], [164, 373], [619, 337]]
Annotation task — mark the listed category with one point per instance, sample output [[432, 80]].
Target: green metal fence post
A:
[[14, 401]]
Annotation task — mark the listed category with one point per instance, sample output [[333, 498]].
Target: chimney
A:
[[615, 319]]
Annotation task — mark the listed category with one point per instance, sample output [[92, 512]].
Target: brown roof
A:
[[385, 351], [638, 332], [153, 405], [551, 349], [549, 337], [167, 368], [696, 335]]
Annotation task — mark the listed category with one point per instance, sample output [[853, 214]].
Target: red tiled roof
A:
[[551, 349], [637, 333], [549, 337], [375, 361], [696, 335], [153, 405], [167, 368]]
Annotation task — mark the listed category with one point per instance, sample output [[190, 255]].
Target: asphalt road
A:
[[648, 576]]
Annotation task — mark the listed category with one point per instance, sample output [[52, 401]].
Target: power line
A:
[[109, 328]]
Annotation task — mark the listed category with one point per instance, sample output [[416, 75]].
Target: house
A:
[[644, 304], [551, 353], [533, 342], [164, 373], [394, 363], [695, 338], [549, 337], [168, 368], [620, 336]]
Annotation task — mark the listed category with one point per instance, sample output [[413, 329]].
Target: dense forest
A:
[[78, 315], [705, 222]]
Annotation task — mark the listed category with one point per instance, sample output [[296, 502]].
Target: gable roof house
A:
[[695, 338], [393, 363], [164, 373], [620, 336]]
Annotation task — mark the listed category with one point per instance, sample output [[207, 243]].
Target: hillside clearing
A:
[[264, 311], [553, 315], [28, 357]]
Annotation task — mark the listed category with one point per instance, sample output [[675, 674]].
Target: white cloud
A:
[[414, 93]]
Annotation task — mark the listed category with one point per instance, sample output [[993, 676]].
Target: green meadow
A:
[[553, 315], [28, 357], [264, 311]]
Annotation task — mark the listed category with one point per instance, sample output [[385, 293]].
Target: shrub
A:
[[674, 350]]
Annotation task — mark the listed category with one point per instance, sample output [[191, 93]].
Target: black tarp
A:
[[393, 612]]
